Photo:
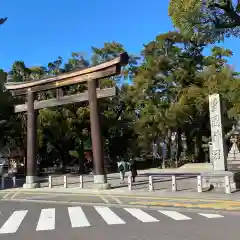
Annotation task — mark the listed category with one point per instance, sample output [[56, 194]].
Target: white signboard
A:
[[218, 148]]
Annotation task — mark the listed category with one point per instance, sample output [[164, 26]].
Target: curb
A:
[[120, 194], [183, 209]]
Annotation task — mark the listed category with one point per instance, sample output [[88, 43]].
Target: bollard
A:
[[65, 182], [227, 185], [199, 183], [150, 184], [129, 183], [174, 184], [3, 182], [50, 181], [81, 181]]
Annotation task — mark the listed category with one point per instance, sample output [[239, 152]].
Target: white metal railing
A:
[[129, 183], [174, 183], [227, 184], [150, 184], [151, 187], [50, 181], [199, 184], [81, 181]]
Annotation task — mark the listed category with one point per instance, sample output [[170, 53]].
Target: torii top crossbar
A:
[[102, 70]]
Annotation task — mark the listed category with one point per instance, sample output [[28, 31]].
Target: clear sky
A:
[[37, 32]]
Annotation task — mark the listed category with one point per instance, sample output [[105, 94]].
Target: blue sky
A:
[[37, 32]]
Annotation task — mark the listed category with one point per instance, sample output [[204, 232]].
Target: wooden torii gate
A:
[[91, 76]]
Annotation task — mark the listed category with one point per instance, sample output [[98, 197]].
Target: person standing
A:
[[13, 171], [123, 167], [133, 168]]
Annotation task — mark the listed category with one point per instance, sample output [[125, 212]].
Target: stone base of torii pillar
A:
[[31, 182]]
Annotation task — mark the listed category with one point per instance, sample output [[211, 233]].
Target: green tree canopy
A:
[[214, 19]]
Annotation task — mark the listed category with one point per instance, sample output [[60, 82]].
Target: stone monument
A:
[[218, 143], [218, 154]]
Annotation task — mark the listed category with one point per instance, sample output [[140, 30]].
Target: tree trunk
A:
[[81, 159], [169, 133], [178, 146]]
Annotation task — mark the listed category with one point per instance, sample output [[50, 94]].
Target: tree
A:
[[214, 19], [168, 93]]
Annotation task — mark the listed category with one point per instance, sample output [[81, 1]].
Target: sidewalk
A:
[[186, 195], [134, 193], [119, 198], [186, 186]]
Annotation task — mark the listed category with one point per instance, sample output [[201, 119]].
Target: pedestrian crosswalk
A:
[[46, 220], [77, 217]]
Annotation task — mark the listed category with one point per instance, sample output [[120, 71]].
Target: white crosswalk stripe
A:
[[14, 222], [175, 215], [46, 220], [77, 217], [141, 215], [208, 215], [109, 216]]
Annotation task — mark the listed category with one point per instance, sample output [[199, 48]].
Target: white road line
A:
[[46, 220], [108, 215], [117, 200], [8, 194], [104, 199], [141, 215], [208, 215], [14, 195], [13, 222], [78, 217], [175, 215]]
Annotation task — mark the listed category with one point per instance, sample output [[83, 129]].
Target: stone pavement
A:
[[188, 182], [161, 183]]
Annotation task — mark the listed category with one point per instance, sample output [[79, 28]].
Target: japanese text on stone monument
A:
[[218, 156]]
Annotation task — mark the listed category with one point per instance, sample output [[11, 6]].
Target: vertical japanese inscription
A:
[[218, 149]]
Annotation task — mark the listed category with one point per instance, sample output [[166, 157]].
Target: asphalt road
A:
[[121, 200], [37, 221]]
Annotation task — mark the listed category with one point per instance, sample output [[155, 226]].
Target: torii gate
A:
[[91, 76]]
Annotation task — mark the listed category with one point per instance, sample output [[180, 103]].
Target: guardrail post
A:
[[199, 183], [150, 184], [174, 183], [130, 183], [50, 181], [81, 181], [65, 182], [3, 182], [227, 184]]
